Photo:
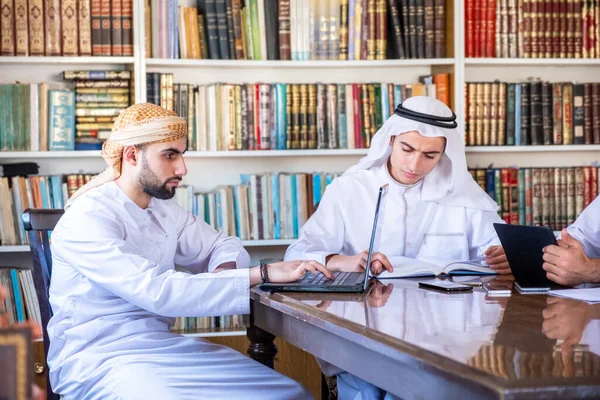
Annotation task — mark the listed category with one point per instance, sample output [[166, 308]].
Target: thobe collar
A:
[[129, 205]]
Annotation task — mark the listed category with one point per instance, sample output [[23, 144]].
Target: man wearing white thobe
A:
[[115, 292], [433, 210]]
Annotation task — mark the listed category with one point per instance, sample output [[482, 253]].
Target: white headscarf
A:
[[449, 183]]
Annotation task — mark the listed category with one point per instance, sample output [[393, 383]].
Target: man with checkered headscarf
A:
[[115, 292]]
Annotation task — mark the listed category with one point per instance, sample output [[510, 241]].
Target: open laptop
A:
[[523, 247], [350, 282]]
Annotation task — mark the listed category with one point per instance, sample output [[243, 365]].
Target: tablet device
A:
[[523, 246]]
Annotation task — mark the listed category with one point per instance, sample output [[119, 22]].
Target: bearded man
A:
[[115, 291]]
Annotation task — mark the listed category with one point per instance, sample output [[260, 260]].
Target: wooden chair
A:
[[38, 223]]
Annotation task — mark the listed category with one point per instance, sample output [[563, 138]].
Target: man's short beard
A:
[[151, 184]]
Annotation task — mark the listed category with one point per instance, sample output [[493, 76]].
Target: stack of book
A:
[[100, 96], [296, 30], [532, 113]]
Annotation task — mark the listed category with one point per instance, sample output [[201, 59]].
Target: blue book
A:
[[276, 209], [14, 277], [490, 184], [44, 192], [61, 120], [397, 95], [219, 211], [518, 115], [238, 210], [295, 202], [58, 197], [316, 189], [385, 102], [280, 89]]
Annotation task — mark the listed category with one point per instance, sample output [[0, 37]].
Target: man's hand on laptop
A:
[[496, 260], [567, 264], [357, 263], [289, 271]]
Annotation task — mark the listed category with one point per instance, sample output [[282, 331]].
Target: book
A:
[[405, 267]]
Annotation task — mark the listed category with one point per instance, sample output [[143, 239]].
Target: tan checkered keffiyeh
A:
[[138, 124]]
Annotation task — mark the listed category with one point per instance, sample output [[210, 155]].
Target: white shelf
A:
[[154, 62], [532, 149], [192, 154], [533, 61], [49, 154], [300, 153], [66, 60], [14, 249], [246, 243], [268, 242], [215, 334]]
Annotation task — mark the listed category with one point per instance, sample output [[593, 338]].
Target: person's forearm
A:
[[255, 278]]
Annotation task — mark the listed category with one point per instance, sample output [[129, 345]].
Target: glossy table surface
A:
[[403, 337]]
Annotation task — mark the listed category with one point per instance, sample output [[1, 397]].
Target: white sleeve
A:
[[323, 233], [481, 232], [200, 248], [98, 250], [586, 229]]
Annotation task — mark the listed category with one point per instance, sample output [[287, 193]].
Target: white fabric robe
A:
[[406, 227], [115, 293], [586, 229]]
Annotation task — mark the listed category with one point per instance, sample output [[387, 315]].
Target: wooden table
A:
[[418, 343]]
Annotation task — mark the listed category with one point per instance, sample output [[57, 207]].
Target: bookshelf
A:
[[209, 169]]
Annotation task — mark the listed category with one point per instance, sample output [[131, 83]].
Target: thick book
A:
[[405, 267]]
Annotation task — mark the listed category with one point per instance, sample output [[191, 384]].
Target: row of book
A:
[[276, 205], [532, 29], [227, 117], [296, 30], [552, 197], [265, 206], [44, 117], [22, 303], [532, 113], [19, 193], [66, 28], [208, 324]]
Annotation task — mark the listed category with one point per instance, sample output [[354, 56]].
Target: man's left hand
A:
[[567, 264], [496, 260]]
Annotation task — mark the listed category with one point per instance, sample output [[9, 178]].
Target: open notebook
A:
[[405, 267]]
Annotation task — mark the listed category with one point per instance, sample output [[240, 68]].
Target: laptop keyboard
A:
[[320, 280]]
